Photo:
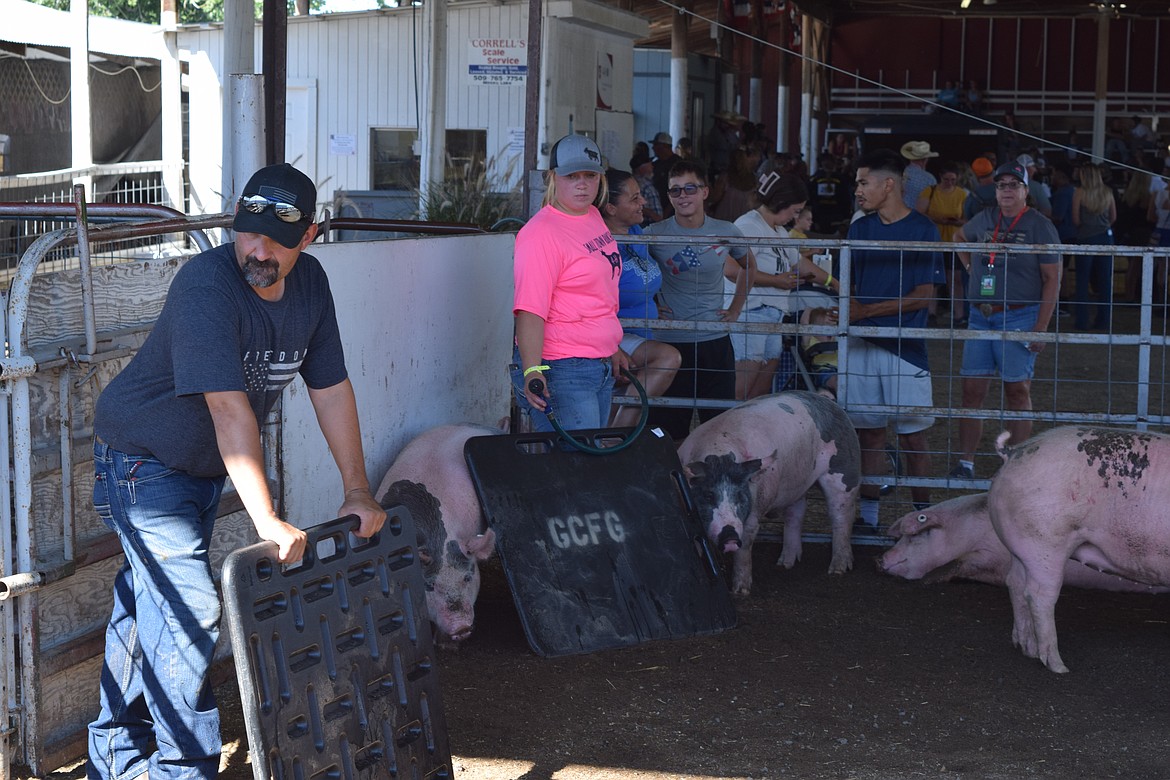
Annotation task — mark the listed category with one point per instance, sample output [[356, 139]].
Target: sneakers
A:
[[962, 472]]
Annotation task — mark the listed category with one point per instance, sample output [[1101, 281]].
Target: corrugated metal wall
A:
[[371, 70]]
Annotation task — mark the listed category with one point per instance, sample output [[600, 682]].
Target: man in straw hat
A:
[[917, 178]]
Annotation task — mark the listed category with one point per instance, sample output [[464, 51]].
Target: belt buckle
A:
[[987, 309]]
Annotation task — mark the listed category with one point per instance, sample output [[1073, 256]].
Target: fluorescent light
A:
[[965, 4]]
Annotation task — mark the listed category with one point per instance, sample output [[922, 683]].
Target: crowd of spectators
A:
[[735, 184]]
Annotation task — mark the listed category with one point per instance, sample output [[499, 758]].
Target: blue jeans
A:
[[1098, 271], [580, 390], [165, 621]]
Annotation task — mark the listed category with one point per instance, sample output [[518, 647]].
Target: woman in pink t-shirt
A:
[[567, 267]]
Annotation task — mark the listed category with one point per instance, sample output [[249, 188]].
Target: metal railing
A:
[[119, 184], [1111, 377]]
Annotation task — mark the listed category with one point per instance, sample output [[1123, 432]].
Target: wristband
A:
[[829, 280], [530, 369]]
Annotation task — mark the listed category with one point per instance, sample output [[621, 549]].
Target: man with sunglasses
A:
[[239, 322], [692, 289], [1005, 293]]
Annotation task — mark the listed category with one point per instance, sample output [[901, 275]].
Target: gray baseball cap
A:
[[574, 153]]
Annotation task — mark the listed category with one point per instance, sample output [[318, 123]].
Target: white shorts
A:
[[630, 342], [759, 347], [877, 376]]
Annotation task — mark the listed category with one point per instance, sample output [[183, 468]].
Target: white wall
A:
[[371, 70], [427, 328]]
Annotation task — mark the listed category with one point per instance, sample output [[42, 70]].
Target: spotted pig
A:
[[430, 478], [764, 455], [1096, 495]]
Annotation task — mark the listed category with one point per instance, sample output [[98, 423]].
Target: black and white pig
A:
[[764, 455], [955, 540], [430, 478], [1096, 495]]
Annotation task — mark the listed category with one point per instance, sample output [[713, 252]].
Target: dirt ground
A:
[[856, 676]]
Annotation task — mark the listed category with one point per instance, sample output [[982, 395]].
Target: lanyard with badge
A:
[[987, 283]]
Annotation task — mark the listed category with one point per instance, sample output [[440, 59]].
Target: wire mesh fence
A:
[[1109, 371], [123, 183]]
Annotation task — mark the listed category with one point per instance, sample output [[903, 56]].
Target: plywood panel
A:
[[124, 294], [69, 701]]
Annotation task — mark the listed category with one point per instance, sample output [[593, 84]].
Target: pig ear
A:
[[482, 546], [914, 523], [755, 466], [696, 469]]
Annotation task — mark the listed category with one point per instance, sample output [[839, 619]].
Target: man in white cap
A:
[[916, 178], [1037, 192]]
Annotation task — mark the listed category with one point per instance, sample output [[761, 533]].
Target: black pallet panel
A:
[[600, 551], [335, 658]]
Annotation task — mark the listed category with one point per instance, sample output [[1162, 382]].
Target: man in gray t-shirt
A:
[[692, 289], [240, 321]]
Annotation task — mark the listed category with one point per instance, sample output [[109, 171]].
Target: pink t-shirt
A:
[[566, 272]]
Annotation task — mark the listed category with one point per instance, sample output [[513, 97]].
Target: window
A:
[[393, 162], [466, 154]]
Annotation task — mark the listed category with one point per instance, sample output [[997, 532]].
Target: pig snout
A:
[[450, 631], [728, 539], [460, 632], [890, 562]]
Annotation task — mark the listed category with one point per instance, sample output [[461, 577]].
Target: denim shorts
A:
[[580, 393], [758, 346], [1010, 360]]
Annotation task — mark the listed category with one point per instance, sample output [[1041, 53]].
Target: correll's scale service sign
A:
[[499, 61]]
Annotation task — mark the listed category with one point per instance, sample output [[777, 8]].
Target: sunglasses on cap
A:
[[285, 212], [689, 189]]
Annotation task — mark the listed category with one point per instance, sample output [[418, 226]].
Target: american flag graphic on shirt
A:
[[270, 370]]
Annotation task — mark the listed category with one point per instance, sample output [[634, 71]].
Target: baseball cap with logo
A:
[[573, 154], [279, 202], [1012, 169], [981, 167]]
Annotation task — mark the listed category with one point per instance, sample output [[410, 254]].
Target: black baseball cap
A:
[[1013, 168], [283, 186]]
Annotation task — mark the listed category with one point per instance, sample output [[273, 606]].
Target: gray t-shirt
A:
[[1017, 276], [692, 274], [216, 334]]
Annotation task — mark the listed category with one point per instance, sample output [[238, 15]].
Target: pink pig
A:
[[764, 455], [955, 540], [1094, 495], [430, 478]]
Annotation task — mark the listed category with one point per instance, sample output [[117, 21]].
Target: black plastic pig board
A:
[[600, 551], [334, 657]]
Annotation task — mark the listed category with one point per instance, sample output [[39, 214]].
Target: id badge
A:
[[987, 285]]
